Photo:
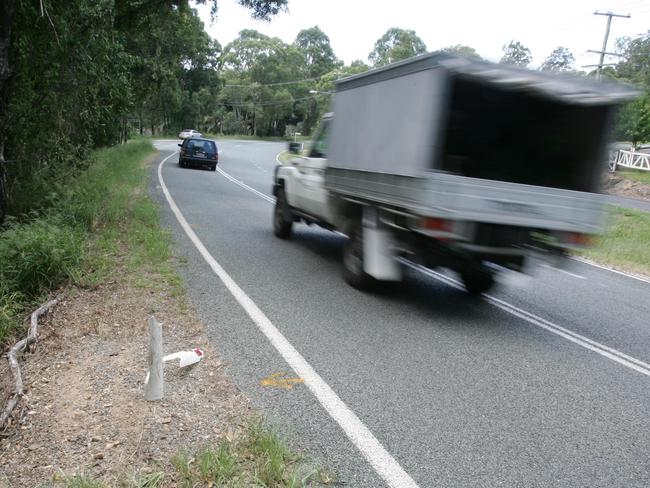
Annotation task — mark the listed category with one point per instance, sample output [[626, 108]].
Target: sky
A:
[[353, 26]]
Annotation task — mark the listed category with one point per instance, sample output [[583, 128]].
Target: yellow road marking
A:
[[281, 380]]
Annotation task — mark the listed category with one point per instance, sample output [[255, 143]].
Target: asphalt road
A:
[[544, 384]]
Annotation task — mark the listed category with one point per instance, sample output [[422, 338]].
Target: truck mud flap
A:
[[378, 248]]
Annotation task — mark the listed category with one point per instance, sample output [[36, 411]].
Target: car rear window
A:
[[207, 146]]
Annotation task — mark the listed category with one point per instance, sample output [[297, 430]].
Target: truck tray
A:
[[436, 194]]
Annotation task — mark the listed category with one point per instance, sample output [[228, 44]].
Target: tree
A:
[[396, 44], [635, 66], [633, 121], [315, 46], [560, 60], [79, 69], [460, 50], [516, 54]]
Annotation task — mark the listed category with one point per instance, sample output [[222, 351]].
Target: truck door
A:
[[310, 192]]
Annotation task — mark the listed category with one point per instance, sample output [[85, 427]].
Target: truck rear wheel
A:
[[353, 272], [281, 225], [477, 281]]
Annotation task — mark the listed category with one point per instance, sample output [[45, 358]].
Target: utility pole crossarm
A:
[[610, 14]]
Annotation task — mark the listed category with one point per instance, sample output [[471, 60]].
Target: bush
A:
[[38, 256], [46, 248], [10, 310]]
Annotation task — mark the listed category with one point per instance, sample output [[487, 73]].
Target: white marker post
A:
[[154, 387]]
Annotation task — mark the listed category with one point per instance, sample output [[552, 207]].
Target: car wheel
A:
[[281, 225], [353, 272], [477, 281], [213, 167]]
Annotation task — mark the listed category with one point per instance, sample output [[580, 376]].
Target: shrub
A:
[[38, 256]]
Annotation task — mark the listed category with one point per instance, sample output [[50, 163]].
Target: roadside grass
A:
[[259, 458], [625, 243], [76, 239], [640, 176], [285, 157]]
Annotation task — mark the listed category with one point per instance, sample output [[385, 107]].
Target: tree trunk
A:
[[7, 10]]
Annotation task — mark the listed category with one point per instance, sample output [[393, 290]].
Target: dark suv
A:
[[195, 152]]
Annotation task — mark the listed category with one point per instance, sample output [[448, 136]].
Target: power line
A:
[[265, 104], [293, 82]]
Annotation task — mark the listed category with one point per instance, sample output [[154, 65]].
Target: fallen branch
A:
[[12, 356]]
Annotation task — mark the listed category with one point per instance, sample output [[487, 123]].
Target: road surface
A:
[[542, 384]]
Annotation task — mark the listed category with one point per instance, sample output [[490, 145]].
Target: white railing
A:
[[630, 159]]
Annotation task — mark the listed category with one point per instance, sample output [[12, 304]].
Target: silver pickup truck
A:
[[453, 163]]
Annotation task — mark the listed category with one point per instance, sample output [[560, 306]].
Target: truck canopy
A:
[[442, 113]]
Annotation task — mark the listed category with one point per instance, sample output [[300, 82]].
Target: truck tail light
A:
[[431, 223], [577, 239]]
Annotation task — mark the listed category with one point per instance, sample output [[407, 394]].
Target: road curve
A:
[[459, 392]]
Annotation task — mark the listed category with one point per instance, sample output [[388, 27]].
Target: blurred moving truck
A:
[[449, 162]]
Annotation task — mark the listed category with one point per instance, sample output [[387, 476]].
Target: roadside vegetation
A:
[[640, 176], [624, 245], [260, 458], [72, 240], [104, 222]]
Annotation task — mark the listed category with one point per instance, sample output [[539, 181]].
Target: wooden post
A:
[[153, 389]]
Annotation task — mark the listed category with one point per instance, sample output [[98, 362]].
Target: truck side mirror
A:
[[295, 147]]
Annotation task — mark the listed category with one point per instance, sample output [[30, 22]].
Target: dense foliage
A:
[[77, 75], [633, 122]]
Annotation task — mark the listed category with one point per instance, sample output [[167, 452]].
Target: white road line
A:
[[245, 186], [578, 339], [560, 270], [378, 457], [597, 347], [607, 268]]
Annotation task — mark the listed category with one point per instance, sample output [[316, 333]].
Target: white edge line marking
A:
[[607, 268], [578, 339], [560, 270], [380, 459], [597, 347]]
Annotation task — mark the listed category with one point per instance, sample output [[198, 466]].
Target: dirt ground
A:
[[614, 184], [85, 410]]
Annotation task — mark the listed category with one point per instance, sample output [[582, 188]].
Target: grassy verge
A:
[[285, 157], [260, 458], [641, 176], [625, 243], [72, 240]]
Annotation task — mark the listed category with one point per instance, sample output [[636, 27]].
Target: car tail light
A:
[[215, 157]]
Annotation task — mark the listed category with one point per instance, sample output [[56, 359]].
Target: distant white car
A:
[[189, 133]]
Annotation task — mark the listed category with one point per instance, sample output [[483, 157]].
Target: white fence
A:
[[630, 159]]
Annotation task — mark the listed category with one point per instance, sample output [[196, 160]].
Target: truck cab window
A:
[[319, 148]]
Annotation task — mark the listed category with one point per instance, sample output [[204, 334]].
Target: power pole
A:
[[603, 51]]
